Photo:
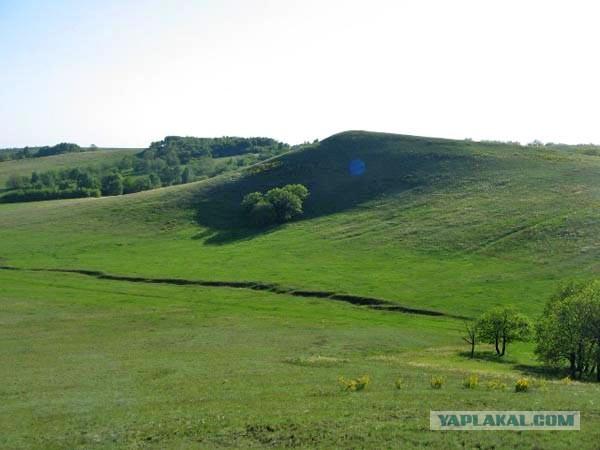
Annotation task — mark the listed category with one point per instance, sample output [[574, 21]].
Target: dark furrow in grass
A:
[[369, 302]]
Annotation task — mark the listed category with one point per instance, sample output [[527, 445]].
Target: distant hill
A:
[[26, 166]]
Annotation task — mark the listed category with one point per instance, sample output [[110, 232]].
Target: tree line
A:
[[174, 160], [38, 152]]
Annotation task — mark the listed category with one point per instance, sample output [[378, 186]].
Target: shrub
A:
[[399, 383], [357, 384], [437, 382], [471, 382], [522, 385]]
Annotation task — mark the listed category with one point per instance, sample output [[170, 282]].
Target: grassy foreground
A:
[[104, 364], [449, 226]]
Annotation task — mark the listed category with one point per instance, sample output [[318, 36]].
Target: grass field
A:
[[448, 226]]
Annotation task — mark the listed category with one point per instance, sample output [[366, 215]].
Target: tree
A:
[[136, 184], [187, 175], [297, 189], [154, 180], [250, 200], [86, 180], [502, 325], [569, 329], [277, 205], [470, 336], [112, 184], [285, 203]]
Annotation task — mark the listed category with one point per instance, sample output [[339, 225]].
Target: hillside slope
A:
[[453, 226]]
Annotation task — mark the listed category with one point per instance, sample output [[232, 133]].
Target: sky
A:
[[126, 73]]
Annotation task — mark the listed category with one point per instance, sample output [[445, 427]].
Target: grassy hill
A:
[[446, 226], [432, 223]]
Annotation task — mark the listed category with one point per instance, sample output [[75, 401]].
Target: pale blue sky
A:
[[125, 73]]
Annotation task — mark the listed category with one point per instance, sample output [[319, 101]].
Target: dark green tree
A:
[[112, 184]]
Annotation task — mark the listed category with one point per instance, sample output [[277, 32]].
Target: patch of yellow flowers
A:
[[357, 384], [522, 385], [471, 382]]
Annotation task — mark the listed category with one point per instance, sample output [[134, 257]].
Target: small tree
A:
[[502, 325], [277, 205], [470, 336]]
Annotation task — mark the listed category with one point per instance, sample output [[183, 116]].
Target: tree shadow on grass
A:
[[222, 237], [541, 371], [528, 369], [488, 356]]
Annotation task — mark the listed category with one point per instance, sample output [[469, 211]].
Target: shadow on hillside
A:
[[393, 164], [488, 356], [528, 369], [540, 371], [222, 237]]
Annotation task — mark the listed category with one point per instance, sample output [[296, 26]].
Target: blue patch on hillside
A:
[[357, 167]]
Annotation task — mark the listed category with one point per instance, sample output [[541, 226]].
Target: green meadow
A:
[[451, 227]]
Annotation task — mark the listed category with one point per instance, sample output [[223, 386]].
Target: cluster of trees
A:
[[569, 330], [176, 149], [174, 160], [567, 335], [38, 152], [498, 326], [75, 183], [277, 205]]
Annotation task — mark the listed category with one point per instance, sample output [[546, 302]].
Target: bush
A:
[[399, 383], [437, 382], [357, 384], [276, 205], [471, 382], [522, 385], [566, 380]]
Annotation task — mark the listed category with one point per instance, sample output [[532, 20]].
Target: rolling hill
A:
[[432, 223], [163, 320]]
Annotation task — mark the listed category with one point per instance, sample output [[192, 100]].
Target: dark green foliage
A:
[[137, 184], [174, 160], [276, 205], [569, 329], [154, 180], [35, 195], [187, 176], [177, 149], [112, 184], [63, 147]]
